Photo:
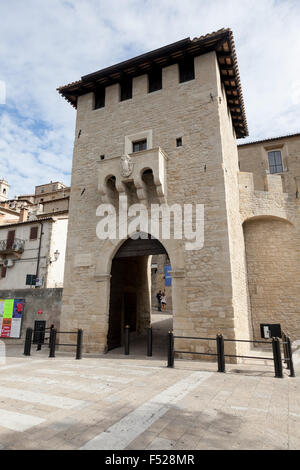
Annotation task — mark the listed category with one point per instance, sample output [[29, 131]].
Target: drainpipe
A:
[[39, 252]]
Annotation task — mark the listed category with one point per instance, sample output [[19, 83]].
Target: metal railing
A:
[[52, 341], [221, 356], [16, 245]]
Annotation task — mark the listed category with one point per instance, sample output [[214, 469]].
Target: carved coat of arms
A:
[[126, 166]]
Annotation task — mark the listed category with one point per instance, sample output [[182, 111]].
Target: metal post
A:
[[149, 341], [170, 349], [277, 358], [220, 351], [52, 342], [285, 350], [127, 340], [40, 340], [28, 340], [79, 345], [51, 328], [290, 356]]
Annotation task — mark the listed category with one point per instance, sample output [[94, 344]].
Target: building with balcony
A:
[[32, 253]]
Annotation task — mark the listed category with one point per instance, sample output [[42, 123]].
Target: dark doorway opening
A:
[[130, 292]]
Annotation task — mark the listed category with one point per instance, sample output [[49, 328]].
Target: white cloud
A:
[[47, 44]]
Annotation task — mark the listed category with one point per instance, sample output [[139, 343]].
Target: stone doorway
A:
[[130, 296]]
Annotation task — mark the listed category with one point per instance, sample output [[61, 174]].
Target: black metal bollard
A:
[[220, 351], [285, 350], [127, 340], [290, 358], [277, 358], [28, 341], [79, 344], [52, 342], [149, 341], [51, 328], [40, 340], [170, 349]]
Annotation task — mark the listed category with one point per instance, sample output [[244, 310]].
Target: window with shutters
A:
[[275, 162], [33, 233]]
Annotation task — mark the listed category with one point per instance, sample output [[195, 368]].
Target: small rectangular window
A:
[[275, 162], [155, 80], [99, 96], [126, 89], [139, 145], [3, 272], [30, 279], [179, 142], [186, 69], [33, 233]]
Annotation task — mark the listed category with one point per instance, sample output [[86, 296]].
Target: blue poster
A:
[[168, 277]]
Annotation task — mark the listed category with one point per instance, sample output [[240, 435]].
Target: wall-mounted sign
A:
[[168, 277], [39, 282], [11, 312]]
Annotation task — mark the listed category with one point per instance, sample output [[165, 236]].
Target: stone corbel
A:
[[141, 190]]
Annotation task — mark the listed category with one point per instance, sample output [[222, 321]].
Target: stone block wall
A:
[[47, 300]]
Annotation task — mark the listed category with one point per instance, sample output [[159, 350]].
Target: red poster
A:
[[6, 328]]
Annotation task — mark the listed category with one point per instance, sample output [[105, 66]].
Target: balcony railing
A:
[[15, 246]]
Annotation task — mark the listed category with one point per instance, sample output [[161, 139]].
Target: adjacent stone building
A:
[[163, 128], [33, 234]]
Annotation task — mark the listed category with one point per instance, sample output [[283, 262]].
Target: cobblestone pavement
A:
[[117, 402]]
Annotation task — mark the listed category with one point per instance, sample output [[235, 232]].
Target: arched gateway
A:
[[130, 288]]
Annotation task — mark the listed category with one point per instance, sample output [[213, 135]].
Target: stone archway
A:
[[130, 288]]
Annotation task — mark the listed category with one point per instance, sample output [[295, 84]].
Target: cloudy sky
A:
[[45, 44]]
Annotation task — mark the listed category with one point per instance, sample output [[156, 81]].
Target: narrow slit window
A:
[[155, 80], [139, 145], [126, 89], [186, 69], [99, 95], [179, 142], [275, 162]]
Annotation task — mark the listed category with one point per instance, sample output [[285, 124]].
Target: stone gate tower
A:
[[161, 127]]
